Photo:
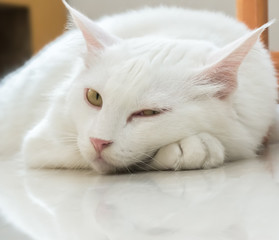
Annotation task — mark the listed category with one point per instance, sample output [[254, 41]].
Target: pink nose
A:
[[100, 144]]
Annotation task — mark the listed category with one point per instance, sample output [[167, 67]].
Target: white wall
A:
[[96, 9], [274, 30]]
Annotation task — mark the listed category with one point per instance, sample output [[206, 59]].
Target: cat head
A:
[[134, 96]]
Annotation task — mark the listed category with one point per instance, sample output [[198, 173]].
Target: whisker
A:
[[153, 159], [143, 165], [126, 166]]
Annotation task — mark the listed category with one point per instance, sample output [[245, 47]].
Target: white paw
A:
[[199, 151]]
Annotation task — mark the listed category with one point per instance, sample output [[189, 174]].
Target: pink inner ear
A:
[[224, 75], [96, 38], [91, 41], [224, 63]]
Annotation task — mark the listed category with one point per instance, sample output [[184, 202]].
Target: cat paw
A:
[[195, 152]]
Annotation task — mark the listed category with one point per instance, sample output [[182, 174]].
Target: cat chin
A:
[[100, 165], [103, 166]]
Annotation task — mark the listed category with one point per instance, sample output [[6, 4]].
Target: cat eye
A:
[[148, 112], [145, 113], [94, 98]]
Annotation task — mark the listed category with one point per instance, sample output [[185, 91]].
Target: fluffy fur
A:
[[208, 76]]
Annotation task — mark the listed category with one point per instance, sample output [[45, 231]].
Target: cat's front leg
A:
[[195, 152]]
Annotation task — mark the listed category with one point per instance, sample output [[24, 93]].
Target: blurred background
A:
[[27, 25]]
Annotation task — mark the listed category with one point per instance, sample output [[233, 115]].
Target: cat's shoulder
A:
[[172, 20], [164, 12]]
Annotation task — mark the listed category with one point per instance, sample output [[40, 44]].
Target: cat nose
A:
[[100, 144]]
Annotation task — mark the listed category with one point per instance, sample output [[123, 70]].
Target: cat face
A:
[[134, 109]]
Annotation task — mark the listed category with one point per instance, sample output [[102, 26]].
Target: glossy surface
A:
[[237, 201]]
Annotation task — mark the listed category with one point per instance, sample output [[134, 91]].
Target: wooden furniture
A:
[[254, 13], [47, 19]]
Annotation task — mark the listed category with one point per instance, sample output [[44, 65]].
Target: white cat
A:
[[159, 88]]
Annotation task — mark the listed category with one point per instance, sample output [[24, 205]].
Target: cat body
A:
[[207, 79]]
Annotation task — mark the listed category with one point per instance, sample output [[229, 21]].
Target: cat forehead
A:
[[135, 57], [140, 68], [162, 51]]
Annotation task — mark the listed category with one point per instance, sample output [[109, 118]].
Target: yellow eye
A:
[[149, 112], [94, 98]]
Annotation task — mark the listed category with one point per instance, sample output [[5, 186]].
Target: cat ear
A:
[[223, 64], [96, 38]]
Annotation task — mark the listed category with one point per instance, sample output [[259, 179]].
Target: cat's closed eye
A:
[[145, 113], [93, 97]]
